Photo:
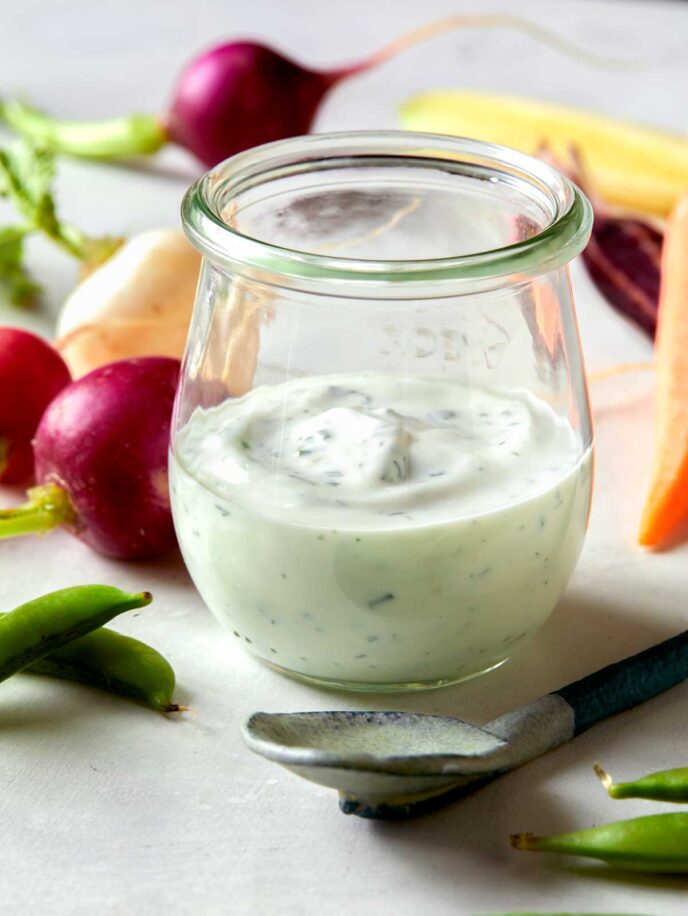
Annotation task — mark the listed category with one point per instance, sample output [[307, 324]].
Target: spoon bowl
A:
[[381, 763], [397, 764]]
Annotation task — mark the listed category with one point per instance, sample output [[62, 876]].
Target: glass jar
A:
[[382, 450]]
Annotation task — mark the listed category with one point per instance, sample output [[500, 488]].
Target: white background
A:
[[106, 807]]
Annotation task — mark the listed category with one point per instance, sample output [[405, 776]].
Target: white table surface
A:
[[106, 807]]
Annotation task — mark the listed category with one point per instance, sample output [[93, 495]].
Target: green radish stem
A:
[[132, 135], [47, 507]]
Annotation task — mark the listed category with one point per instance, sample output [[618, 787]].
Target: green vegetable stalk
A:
[[27, 172], [132, 135], [46, 507]]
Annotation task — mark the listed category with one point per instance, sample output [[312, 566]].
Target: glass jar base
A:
[[384, 686]]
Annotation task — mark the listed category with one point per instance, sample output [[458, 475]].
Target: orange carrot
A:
[[665, 516]]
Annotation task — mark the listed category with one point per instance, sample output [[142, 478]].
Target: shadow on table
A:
[[55, 716], [599, 872], [26, 715], [444, 848], [473, 836]]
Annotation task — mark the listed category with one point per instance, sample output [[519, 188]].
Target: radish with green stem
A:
[[32, 373], [101, 461], [240, 94]]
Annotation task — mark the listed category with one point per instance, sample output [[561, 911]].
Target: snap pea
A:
[[116, 663], [665, 785], [656, 843], [39, 627]]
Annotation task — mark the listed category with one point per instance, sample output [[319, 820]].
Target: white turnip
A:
[[137, 303]]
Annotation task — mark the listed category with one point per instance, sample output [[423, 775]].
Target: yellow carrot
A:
[[665, 515], [631, 166]]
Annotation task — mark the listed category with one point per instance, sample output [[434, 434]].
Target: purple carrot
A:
[[623, 256], [623, 260]]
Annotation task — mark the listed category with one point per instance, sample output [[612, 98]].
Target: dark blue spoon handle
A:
[[627, 683]]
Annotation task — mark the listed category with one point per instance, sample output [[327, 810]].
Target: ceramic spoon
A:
[[396, 764]]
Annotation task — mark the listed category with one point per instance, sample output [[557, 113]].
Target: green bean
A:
[[656, 843], [666, 785], [39, 627], [116, 663]]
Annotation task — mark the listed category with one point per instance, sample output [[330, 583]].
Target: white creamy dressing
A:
[[373, 529]]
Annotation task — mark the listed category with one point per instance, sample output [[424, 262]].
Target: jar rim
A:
[[564, 236]]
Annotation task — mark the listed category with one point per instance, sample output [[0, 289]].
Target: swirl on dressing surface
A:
[[359, 447]]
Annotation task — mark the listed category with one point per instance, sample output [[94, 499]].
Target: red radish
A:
[[101, 461], [246, 84], [238, 95], [31, 374]]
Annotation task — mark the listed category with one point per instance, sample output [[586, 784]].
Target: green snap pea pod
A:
[[665, 785], [39, 627], [116, 663], [657, 843]]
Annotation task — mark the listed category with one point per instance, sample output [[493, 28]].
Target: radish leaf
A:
[[26, 176], [15, 283], [27, 172]]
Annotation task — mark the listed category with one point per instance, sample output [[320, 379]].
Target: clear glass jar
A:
[[382, 449]]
